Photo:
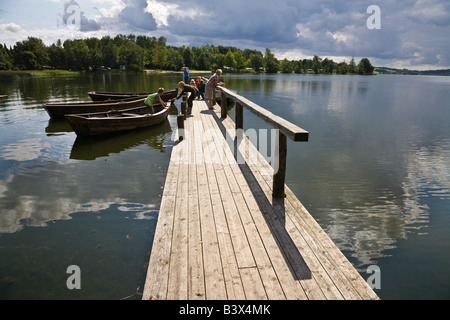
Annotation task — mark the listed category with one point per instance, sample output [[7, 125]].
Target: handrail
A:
[[285, 128], [289, 129]]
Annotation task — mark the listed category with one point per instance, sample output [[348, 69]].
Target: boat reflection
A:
[[56, 127], [91, 148]]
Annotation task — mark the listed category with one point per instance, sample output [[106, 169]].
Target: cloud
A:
[[135, 15], [11, 27], [412, 32]]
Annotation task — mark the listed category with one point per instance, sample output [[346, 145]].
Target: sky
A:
[[411, 34]]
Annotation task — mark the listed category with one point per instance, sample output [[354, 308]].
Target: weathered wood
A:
[[180, 124], [223, 106], [287, 128], [280, 175], [183, 109], [239, 116], [222, 235]]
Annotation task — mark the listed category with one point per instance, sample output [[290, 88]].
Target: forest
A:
[[136, 53]]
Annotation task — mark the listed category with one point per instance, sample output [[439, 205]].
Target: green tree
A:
[[229, 60], [298, 66], [365, 67], [270, 62], [220, 61], [160, 55], [239, 59], [57, 56], [131, 56], [77, 54], [256, 61], [174, 59], [286, 66], [317, 64], [30, 54], [110, 55], [343, 68], [352, 66], [5, 58]]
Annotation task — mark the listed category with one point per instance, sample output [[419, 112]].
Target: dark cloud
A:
[[412, 30], [237, 20], [135, 16]]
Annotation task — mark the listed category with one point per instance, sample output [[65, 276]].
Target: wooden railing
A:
[[286, 129]]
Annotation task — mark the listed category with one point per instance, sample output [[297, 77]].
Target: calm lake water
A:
[[375, 174]]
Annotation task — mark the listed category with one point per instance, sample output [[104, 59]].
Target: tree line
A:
[[140, 52]]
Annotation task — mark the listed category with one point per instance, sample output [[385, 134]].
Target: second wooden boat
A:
[[91, 124], [102, 96], [59, 110]]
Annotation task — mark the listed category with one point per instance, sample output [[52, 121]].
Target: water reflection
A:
[[375, 160], [91, 148]]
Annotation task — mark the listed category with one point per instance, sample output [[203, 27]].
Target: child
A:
[[200, 88], [155, 98], [184, 88]]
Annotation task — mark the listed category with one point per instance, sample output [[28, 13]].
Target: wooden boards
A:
[[221, 235]]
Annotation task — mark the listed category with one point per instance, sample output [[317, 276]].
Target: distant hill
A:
[[385, 70]]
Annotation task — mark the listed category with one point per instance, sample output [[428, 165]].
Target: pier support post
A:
[[223, 105], [183, 109], [239, 116], [280, 176], [180, 123]]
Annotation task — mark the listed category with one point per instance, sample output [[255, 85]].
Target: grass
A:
[[43, 73]]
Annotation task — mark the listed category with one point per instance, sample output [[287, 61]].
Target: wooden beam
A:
[[289, 129]]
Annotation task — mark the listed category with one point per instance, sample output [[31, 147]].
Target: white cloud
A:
[[11, 27], [160, 11]]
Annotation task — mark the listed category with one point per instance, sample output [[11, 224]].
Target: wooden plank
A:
[[156, 284], [196, 281], [289, 129], [233, 281], [221, 234], [214, 278], [330, 254]]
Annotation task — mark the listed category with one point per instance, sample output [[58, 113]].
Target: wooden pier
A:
[[224, 233]]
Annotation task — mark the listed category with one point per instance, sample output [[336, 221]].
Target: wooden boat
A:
[[90, 124], [102, 96], [59, 110]]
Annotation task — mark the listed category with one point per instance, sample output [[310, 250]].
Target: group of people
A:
[[196, 89], [200, 89]]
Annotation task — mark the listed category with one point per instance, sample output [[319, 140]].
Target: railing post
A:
[[223, 105], [280, 176]]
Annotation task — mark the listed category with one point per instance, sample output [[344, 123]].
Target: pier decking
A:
[[222, 235]]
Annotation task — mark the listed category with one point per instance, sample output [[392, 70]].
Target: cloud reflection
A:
[[24, 150]]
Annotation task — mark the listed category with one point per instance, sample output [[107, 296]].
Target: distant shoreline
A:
[[152, 71]]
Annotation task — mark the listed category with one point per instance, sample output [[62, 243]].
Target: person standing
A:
[[186, 75], [211, 85]]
